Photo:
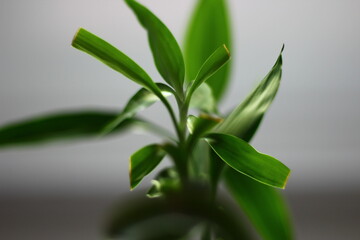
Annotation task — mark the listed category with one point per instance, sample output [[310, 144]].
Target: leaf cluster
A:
[[207, 148]]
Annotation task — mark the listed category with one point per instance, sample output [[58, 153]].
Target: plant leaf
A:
[[66, 126], [59, 126], [143, 161], [264, 206], [242, 157], [208, 29], [245, 119], [166, 51], [203, 99], [141, 100], [111, 56], [215, 62]]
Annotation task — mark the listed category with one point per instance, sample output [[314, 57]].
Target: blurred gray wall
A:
[[312, 126]]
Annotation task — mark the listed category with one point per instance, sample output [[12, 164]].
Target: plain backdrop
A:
[[312, 125]]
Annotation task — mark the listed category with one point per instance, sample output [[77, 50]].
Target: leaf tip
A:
[[227, 50], [76, 36], [282, 48], [286, 180]]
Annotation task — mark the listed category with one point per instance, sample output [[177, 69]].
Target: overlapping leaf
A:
[[208, 29], [166, 51], [212, 64], [245, 119], [264, 205], [242, 157]]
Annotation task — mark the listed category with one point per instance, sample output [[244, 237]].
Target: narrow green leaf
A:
[[208, 29], [143, 161], [58, 126], [111, 56], [264, 206], [165, 182], [203, 99], [242, 157], [245, 119], [216, 61], [70, 125], [141, 100], [166, 51]]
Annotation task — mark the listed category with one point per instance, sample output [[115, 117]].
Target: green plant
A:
[[206, 148]]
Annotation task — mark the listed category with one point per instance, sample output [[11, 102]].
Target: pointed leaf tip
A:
[[227, 50], [212, 64], [242, 157], [208, 29], [244, 120], [164, 47]]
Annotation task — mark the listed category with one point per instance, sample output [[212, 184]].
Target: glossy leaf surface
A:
[[111, 56], [143, 161], [214, 62], [166, 51], [141, 100], [264, 205], [242, 157], [245, 119], [208, 29]]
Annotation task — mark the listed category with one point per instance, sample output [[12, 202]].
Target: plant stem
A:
[[172, 116]]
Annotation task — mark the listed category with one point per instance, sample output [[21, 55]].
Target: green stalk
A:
[[183, 112], [172, 116]]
